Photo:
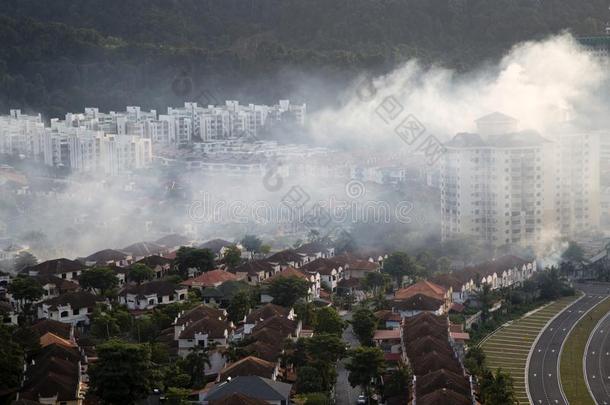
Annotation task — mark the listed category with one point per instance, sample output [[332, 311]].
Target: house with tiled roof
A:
[[63, 268], [356, 267], [250, 365], [72, 307], [54, 286], [330, 271], [264, 389], [315, 250], [63, 330], [437, 372], [212, 278], [444, 396], [423, 296], [255, 271], [286, 258], [148, 295], [265, 312], [159, 264], [53, 376], [313, 279], [388, 319], [203, 326]]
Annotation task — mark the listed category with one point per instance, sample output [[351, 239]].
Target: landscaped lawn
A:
[[571, 367], [509, 347]]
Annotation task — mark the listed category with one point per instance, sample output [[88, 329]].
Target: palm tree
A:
[[195, 363]]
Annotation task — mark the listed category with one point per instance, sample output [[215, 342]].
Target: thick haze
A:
[[539, 83]]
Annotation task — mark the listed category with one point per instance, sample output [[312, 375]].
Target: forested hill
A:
[[64, 54]]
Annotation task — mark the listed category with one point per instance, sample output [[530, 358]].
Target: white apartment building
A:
[[20, 133], [504, 186]]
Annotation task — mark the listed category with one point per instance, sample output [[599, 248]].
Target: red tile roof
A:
[[211, 278], [423, 287]]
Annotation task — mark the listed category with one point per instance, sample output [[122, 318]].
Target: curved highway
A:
[[597, 362], [543, 382]]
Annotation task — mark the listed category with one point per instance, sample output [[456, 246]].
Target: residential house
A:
[[108, 257], [388, 319], [313, 279], [206, 327], [255, 271], [62, 268], [148, 295], [423, 296], [286, 258], [355, 267], [159, 264], [330, 271], [219, 247], [72, 307], [315, 250], [212, 278], [265, 312], [438, 374], [389, 340], [54, 375], [265, 389], [8, 316], [250, 366], [54, 286]]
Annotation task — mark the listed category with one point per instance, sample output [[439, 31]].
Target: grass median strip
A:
[[509, 346], [571, 366]]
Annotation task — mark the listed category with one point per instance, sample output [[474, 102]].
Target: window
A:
[[64, 314]]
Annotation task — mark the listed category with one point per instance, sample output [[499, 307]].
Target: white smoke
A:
[[536, 82]]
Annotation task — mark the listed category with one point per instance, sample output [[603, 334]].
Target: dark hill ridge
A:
[[63, 55]]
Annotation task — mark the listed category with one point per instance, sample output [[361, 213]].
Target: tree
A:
[[288, 290], [329, 321], [398, 383], [309, 380], [265, 249], [252, 243], [325, 347], [232, 256], [305, 312], [140, 272], [475, 360], [549, 283], [122, 373], [364, 324], [23, 260], [194, 365], [365, 364], [497, 389], [100, 279], [398, 265], [194, 258], [11, 360], [239, 306], [574, 253], [485, 297], [25, 289], [375, 282], [106, 323]]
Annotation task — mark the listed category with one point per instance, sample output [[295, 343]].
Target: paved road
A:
[[597, 361], [543, 373], [345, 394]]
